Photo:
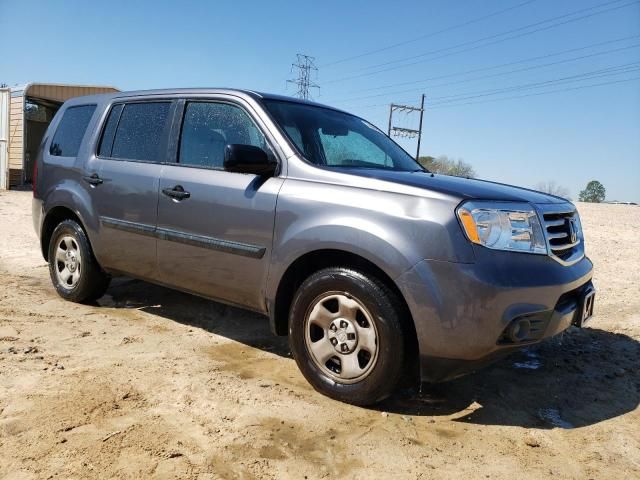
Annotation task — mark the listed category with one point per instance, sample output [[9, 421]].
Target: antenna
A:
[[305, 64]]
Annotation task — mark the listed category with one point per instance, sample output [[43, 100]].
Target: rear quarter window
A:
[[70, 132]]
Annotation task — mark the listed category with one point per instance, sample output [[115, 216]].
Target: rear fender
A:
[[66, 194]]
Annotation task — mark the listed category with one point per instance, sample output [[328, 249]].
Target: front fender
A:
[[344, 236], [334, 237], [347, 234], [394, 231]]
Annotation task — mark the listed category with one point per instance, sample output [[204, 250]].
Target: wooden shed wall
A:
[[16, 139]]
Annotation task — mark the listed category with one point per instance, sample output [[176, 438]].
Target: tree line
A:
[[594, 192], [447, 166]]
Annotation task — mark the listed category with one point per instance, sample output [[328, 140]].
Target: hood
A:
[[465, 188]]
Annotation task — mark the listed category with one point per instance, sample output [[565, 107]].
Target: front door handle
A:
[[177, 192], [93, 180]]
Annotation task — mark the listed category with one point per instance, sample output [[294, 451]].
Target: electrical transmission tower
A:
[[305, 65], [406, 132]]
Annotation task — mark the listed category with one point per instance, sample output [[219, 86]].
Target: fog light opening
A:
[[519, 330]]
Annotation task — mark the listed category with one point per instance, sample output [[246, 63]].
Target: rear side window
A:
[[68, 137], [140, 131]]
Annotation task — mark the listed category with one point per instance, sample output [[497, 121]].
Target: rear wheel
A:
[[73, 269], [346, 335]]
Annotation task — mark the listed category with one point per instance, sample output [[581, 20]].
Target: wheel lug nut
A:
[[333, 328], [344, 347], [351, 336], [334, 342], [343, 324]]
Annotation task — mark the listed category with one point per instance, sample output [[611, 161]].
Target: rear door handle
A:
[[177, 192], [93, 179]]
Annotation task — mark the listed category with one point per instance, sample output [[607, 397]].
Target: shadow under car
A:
[[579, 378]]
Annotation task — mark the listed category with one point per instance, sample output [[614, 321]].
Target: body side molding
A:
[[236, 248]]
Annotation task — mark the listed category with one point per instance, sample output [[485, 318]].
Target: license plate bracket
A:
[[585, 312]]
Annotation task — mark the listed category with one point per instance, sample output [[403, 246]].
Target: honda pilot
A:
[[374, 267]]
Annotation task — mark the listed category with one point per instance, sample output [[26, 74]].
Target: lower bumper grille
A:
[[532, 327]]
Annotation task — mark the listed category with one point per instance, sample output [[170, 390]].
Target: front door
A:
[[215, 227], [123, 182]]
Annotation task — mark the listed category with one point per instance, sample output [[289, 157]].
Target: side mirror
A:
[[248, 159]]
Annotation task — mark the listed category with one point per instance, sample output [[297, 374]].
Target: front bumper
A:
[[463, 312]]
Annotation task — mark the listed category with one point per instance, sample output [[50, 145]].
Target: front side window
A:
[[139, 132], [68, 137], [335, 139], [208, 127]]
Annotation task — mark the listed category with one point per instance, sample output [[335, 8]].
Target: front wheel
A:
[[346, 335], [74, 271]]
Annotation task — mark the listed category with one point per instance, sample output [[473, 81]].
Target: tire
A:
[[341, 308], [74, 271]]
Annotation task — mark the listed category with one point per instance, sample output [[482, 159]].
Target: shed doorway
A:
[[38, 114]]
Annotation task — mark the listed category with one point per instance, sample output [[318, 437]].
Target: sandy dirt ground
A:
[[151, 383]]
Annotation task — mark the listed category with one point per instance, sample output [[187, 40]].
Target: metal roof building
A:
[[25, 114]]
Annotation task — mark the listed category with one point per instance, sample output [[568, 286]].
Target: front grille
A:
[[564, 238]]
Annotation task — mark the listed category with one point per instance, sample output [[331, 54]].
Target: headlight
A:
[[503, 226]]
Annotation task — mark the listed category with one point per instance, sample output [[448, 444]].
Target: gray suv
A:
[[375, 268]]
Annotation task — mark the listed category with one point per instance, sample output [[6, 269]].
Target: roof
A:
[[230, 91], [100, 94]]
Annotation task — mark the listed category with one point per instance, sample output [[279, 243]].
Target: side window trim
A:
[[179, 124], [104, 128], [173, 147], [166, 132]]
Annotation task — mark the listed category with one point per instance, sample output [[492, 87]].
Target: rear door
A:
[[123, 178], [215, 238]]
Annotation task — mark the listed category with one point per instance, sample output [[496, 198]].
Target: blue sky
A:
[[570, 136]]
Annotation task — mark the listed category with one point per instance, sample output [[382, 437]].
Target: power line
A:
[[499, 74], [508, 64], [615, 70], [429, 35], [538, 93], [305, 65], [609, 71], [588, 76], [525, 27], [486, 38], [513, 97]]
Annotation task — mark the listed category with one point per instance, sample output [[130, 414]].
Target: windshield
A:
[[334, 139]]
